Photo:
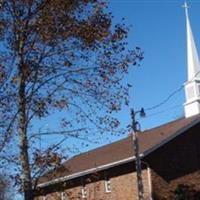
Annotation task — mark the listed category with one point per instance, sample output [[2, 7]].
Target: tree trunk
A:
[[24, 157]]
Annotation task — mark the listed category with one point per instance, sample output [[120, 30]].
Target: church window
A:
[[63, 196], [107, 183], [84, 192], [83, 189]]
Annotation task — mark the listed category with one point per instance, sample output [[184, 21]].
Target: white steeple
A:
[[192, 86]]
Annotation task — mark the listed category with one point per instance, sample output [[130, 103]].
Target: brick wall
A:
[[123, 186], [175, 163]]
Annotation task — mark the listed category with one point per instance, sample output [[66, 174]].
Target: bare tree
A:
[[57, 55]]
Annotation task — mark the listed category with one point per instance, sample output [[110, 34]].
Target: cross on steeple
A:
[[185, 6]]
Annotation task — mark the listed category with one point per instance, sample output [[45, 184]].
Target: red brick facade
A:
[[122, 183]]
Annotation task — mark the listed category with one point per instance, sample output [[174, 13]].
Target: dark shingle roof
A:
[[122, 150]]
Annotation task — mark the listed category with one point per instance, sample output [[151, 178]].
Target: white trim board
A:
[[86, 172]]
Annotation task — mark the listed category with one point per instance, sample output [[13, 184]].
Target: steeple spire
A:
[[192, 86], [192, 55]]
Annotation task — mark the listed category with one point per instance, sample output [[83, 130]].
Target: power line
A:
[[170, 96], [163, 111], [165, 100]]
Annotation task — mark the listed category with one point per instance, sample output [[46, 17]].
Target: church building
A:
[[169, 154]]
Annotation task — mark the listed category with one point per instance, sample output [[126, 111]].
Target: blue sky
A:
[[158, 27]]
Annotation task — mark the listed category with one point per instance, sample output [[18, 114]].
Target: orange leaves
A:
[[60, 104], [48, 158], [67, 63], [64, 19], [15, 79], [2, 27], [96, 28], [120, 33]]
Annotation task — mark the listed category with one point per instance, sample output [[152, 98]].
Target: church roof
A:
[[119, 152]]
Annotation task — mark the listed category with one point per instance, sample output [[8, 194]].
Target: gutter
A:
[[150, 183], [88, 171]]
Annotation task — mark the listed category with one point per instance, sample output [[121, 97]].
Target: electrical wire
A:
[[165, 100], [163, 111], [170, 96]]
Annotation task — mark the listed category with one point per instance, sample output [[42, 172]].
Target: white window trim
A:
[[83, 192], [107, 183], [63, 196], [83, 189], [44, 198]]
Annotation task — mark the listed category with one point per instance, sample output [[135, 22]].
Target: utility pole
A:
[[135, 130]]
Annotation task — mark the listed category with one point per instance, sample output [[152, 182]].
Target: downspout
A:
[[149, 178], [149, 182]]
